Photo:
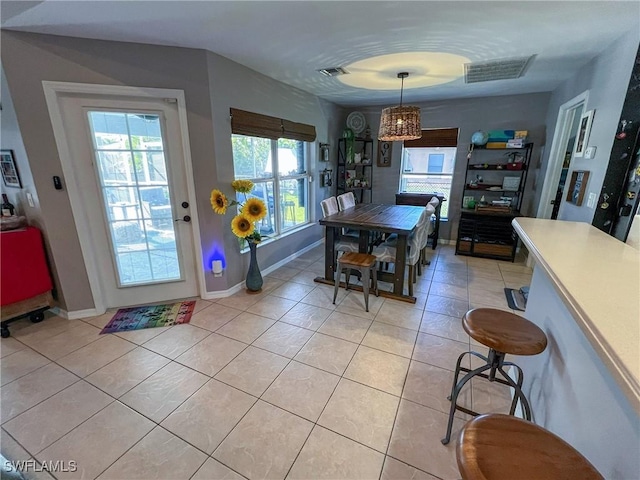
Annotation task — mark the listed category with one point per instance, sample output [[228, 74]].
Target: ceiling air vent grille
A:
[[333, 71], [496, 69]]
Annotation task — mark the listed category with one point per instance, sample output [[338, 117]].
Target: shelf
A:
[[357, 188], [361, 164], [485, 188], [495, 167], [482, 147]]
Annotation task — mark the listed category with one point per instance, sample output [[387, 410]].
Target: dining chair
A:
[[386, 252], [344, 244], [346, 200]]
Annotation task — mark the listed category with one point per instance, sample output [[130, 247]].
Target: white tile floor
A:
[[274, 385]]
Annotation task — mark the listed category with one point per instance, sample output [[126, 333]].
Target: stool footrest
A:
[[494, 362]]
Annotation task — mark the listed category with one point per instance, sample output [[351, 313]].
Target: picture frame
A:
[[10, 174], [384, 154], [577, 187], [582, 137]]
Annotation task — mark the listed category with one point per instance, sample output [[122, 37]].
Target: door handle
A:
[[186, 218]]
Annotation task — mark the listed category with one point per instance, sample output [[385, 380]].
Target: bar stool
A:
[[503, 332], [362, 262], [496, 446]]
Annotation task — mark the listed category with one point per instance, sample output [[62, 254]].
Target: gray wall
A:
[[211, 85], [607, 78], [519, 112], [233, 85], [11, 139]]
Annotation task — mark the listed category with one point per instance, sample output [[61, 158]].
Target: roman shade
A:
[[257, 125], [435, 137]]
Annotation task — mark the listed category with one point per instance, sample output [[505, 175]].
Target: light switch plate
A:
[[590, 152], [30, 200], [591, 201]]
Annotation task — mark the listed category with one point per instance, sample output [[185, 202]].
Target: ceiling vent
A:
[[333, 71], [496, 69]]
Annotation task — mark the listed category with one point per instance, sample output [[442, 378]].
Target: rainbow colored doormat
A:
[[135, 318]]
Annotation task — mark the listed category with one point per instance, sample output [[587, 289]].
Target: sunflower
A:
[[219, 202], [254, 209], [241, 226], [242, 186]]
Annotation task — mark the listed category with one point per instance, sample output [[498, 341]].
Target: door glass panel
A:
[[131, 164]]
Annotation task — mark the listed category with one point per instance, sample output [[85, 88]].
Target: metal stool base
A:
[[495, 363]]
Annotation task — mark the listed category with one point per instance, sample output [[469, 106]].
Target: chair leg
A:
[[419, 264], [410, 280], [375, 280], [365, 286], [337, 283], [347, 276]]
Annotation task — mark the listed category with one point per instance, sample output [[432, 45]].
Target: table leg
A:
[[329, 253], [401, 259], [363, 241]]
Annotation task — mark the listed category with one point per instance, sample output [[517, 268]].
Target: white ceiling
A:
[[290, 40]]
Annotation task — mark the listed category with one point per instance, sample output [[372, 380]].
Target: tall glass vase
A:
[[254, 277]]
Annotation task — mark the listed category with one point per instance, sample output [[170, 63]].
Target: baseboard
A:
[[236, 288], [76, 314]]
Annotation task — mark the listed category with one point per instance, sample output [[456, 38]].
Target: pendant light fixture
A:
[[401, 122]]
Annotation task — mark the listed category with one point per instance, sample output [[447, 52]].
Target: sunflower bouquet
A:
[[252, 210]]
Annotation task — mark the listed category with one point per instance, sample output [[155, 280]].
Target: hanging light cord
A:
[[401, 87]]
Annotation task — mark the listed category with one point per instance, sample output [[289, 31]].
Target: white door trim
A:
[[51, 92], [556, 155]]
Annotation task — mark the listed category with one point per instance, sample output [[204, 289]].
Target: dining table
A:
[[366, 218]]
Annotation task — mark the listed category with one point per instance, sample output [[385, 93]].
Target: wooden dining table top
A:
[[400, 219]]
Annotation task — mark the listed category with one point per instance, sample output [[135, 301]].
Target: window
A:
[[428, 170], [436, 162], [279, 170], [428, 162]]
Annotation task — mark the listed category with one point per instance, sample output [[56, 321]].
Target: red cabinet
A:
[[26, 283]]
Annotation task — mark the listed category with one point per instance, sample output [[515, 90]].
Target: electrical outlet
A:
[[30, 200], [591, 201]]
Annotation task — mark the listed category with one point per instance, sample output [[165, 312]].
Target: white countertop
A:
[[598, 278]]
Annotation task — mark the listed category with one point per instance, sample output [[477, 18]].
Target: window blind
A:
[[435, 137], [257, 125]]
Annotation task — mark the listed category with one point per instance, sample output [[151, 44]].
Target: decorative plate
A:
[[356, 122]]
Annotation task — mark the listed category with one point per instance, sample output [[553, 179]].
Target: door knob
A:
[[186, 218], [185, 204]]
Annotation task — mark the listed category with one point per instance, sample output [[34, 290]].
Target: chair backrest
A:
[[421, 235], [346, 200], [329, 206]]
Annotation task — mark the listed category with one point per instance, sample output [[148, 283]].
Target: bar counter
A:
[[585, 295]]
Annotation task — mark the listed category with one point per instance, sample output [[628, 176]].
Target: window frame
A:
[[275, 178], [404, 175]]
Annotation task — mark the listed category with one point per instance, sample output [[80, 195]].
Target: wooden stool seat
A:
[[365, 264], [501, 446], [504, 332], [354, 259]]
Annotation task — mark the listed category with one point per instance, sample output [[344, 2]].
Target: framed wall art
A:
[[582, 138], [577, 187], [10, 174], [384, 154]]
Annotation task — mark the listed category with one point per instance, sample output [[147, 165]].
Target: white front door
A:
[[129, 170]]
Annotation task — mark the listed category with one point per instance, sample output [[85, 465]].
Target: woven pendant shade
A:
[[400, 123]]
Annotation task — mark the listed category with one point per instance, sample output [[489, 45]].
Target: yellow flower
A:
[[219, 202], [242, 186], [241, 226], [254, 209]]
